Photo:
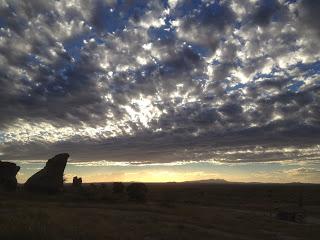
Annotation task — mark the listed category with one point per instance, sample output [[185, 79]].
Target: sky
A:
[[161, 91]]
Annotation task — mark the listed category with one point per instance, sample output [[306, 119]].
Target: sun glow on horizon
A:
[[161, 173]]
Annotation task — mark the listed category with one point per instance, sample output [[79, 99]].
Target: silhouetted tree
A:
[[117, 187], [137, 192]]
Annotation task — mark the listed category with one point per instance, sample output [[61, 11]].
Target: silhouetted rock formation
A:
[[137, 192], [50, 178], [76, 182], [8, 172], [118, 187]]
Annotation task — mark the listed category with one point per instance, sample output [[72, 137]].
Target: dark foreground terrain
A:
[[173, 211]]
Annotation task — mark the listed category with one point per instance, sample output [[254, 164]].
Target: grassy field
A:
[[173, 211]]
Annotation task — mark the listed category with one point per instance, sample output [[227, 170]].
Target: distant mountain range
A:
[[217, 180], [223, 181], [205, 181]]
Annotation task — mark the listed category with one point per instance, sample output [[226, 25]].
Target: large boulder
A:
[[50, 178], [8, 172]]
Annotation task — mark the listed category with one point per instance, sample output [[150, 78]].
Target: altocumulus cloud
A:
[[160, 81]]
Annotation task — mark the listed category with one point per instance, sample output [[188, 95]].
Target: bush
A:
[[137, 192], [118, 187], [94, 192]]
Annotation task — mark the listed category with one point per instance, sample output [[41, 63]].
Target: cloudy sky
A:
[[162, 90]]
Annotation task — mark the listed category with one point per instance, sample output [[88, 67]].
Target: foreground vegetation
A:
[[172, 211]]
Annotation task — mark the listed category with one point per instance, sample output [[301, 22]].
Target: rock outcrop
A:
[[8, 172], [77, 182], [50, 178]]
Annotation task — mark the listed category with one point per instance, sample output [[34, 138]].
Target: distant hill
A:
[[209, 181]]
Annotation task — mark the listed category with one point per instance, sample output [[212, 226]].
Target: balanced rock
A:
[[8, 172], [50, 178]]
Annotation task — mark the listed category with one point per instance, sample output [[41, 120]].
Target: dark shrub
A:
[[105, 193], [96, 192], [294, 215], [118, 187], [137, 192]]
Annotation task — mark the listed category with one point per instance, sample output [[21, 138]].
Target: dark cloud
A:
[[274, 142], [204, 23], [308, 12], [135, 81], [265, 11]]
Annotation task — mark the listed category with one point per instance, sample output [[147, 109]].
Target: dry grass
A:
[[163, 217]]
